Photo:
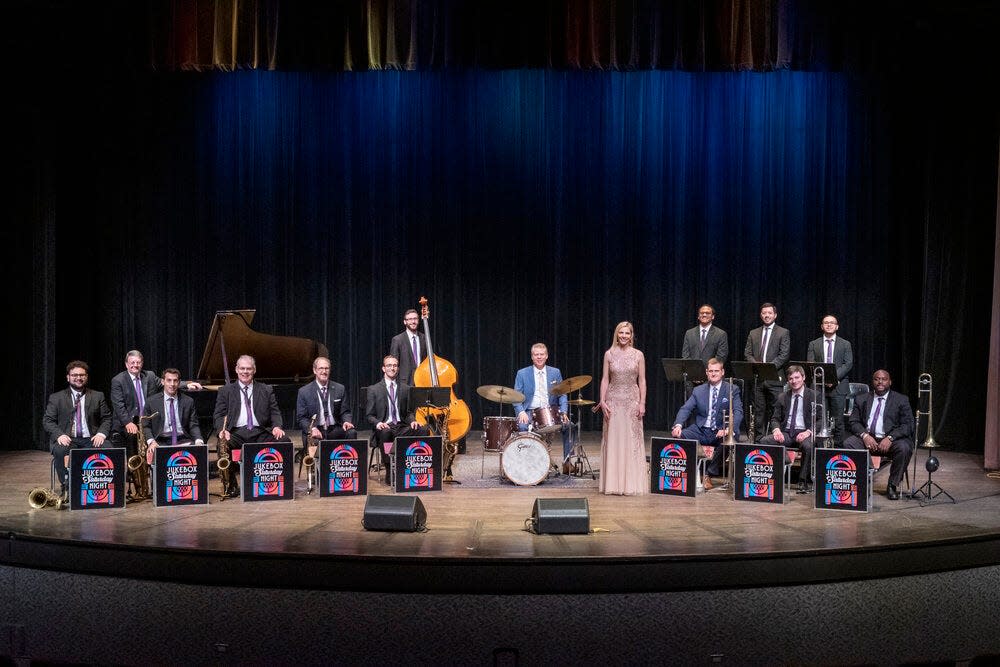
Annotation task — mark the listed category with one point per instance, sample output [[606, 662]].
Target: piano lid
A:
[[280, 359]]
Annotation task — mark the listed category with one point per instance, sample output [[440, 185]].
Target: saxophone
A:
[[137, 463], [40, 497], [309, 460], [224, 462]]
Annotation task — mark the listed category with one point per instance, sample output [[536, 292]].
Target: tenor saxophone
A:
[[137, 463], [224, 462], [309, 460]]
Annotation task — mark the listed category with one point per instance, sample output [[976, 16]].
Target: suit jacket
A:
[[377, 403], [843, 359], [525, 383], [187, 418], [59, 413], [124, 407], [778, 346], [716, 344], [307, 404], [400, 348], [783, 406], [265, 407], [897, 415], [697, 405]]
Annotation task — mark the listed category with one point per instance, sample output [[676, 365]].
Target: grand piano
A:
[[282, 361]]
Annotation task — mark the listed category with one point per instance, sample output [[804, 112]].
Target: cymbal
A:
[[580, 401], [493, 392], [570, 384]]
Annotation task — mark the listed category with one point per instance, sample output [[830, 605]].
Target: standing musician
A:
[[710, 403], [174, 420], [768, 343], [832, 349], [386, 409], [327, 400], [706, 341], [409, 347], [252, 412], [75, 417], [792, 420], [534, 382]]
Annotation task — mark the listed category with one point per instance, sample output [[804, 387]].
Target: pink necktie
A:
[[173, 423], [79, 416], [326, 406], [829, 350], [249, 404], [874, 420], [393, 416], [138, 394]]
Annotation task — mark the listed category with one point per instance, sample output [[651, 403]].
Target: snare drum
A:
[[496, 430], [525, 459], [546, 419]]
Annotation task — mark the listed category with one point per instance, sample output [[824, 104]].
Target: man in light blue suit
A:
[[534, 382], [710, 403]]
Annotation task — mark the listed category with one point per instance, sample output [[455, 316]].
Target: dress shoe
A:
[[233, 492], [707, 482], [805, 487], [891, 492], [567, 467]]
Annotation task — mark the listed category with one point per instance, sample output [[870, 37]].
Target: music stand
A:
[[429, 398], [684, 370]]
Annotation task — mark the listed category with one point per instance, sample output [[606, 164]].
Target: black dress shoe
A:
[[233, 492], [805, 487], [892, 492]]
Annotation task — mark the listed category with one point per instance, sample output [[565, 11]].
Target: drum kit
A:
[[524, 455]]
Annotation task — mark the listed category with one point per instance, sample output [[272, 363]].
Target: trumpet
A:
[[924, 386], [40, 497], [137, 463], [309, 460]]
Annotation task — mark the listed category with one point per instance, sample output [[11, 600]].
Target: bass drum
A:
[[525, 459]]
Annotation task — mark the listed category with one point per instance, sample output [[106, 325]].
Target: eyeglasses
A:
[[78, 375]]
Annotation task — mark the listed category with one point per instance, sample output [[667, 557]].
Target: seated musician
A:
[[709, 403], [534, 382], [252, 412], [77, 416], [173, 421], [792, 420], [386, 410], [327, 401]]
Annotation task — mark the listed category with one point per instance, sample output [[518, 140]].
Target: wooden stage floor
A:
[[476, 539]]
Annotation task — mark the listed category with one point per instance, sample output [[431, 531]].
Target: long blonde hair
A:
[[618, 327]]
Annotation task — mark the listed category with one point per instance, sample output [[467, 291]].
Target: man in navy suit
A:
[[75, 417], [386, 409], [327, 400], [252, 411], [882, 423], [710, 403], [173, 421], [534, 382], [832, 349]]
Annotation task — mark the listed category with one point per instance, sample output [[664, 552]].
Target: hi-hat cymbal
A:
[[499, 394], [580, 401], [569, 384]]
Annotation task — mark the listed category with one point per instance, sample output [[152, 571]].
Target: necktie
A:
[[173, 422], [704, 335], [763, 344], [873, 424], [249, 406], [829, 350], [325, 408], [138, 394], [795, 412], [393, 416], [713, 408], [416, 354], [78, 426]]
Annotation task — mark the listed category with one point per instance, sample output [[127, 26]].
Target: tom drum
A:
[[496, 430], [546, 419]]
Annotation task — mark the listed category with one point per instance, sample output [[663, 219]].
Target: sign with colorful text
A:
[[97, 478], [418, 463], [760, 473], [343, 468], [180, 475], [266, 471], [842, 481], [673, 466]]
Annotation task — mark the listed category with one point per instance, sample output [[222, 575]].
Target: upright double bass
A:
[[454, 421]]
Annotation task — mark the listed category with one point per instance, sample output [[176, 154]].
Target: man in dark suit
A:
[[75, 417], [409, 347], [882, 423], [771, 344], [792, 421], [327, 401], [252, 411], [710, 403], [386, 409], [832, 349], [705, 341], [129, 391], [173, 421]]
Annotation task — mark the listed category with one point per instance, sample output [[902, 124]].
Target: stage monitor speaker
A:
[[403, 513], [561, 515]]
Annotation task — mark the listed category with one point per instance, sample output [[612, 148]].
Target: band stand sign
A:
[[266, 471], [760, 473], [673, 466], [417, 463], [97, 478], [343, 466], [180, 475], [842, 481]]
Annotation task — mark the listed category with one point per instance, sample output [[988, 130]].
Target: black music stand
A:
[[434, 398], [684, 370], [753, 373]]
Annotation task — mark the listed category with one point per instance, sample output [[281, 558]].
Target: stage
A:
[[476, 551]]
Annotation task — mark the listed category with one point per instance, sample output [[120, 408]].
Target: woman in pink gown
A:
[[623, 401]]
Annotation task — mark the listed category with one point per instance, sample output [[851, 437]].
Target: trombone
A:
[[819, 416], [729, 444], [925, 386]]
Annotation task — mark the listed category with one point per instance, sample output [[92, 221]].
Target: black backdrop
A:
[[526, 204]]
